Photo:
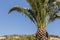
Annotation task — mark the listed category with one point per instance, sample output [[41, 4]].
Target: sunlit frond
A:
[[52, 17], [25, 11], [56, 2], [18, 9], [32, 4], [42, 11], [55, 16], [58, 15]]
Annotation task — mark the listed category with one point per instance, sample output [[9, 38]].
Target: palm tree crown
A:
[[41, 12]]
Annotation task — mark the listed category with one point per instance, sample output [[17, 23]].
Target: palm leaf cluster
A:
[[41, 12]]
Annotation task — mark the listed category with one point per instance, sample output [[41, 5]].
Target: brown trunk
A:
[[41, 34]]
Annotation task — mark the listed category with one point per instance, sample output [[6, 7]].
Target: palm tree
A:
[[41, 13]]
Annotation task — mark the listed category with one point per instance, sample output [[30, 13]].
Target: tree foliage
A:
[[41, 12]]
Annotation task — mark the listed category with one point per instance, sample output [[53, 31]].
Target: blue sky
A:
[[16, 23]]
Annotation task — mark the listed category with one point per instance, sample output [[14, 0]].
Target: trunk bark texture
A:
[[41, 34]]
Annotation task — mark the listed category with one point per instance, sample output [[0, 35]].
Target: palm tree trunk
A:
[[41, 34]]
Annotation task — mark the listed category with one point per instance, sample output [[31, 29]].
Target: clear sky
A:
[[16, 23]]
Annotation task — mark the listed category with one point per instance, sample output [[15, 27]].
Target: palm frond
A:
[[32, 14], [58, 15], [25, 11], [18, 9], [32, 4], [35, 4], [56, 2], [51, 1], [52, 17], [55, 16], [42, 11]]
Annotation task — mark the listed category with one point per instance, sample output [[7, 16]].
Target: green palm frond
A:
[[56, 2], [32, 14], [42, 11], [37, 4], [55, 16], [25, 11], [51, 1], [18, 9], [58, 15], [32, 4], [52, 17]]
